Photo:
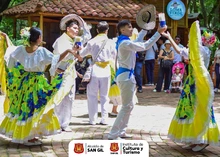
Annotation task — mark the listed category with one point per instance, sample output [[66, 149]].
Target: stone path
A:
[[149, 121]]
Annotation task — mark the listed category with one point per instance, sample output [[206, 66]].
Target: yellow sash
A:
[[102, 64]]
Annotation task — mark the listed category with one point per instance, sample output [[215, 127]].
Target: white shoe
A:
[[165, 91], [216, 90], [148, 84], [116, 138], [154, 90], [152, 84], [113, 114], [198, 148]]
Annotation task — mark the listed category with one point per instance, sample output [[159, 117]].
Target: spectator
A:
[[216, 67], [150, 62], [138, 70], [177, 56], [165, 54]]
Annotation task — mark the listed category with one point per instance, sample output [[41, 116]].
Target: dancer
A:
[[102, 50], [5, 42], [124, 76], [29, 116], [71, 24], [194, 122]]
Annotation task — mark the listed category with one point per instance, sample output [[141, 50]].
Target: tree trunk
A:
[[204, 13]]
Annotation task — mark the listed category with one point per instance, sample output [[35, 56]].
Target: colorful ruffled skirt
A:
[[29, 113], [193, 123], [194, 120]]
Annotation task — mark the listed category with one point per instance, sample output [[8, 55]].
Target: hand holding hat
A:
[[146, 17]]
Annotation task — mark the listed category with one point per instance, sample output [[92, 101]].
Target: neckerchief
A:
[[120, 39]]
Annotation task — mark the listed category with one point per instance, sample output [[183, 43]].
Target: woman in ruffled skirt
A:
[[194, 123], [31, 96]]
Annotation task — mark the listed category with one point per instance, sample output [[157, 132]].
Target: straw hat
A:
[[69, 17], [146, 17]]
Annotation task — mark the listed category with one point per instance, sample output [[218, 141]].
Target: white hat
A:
[[167, 42], [69, 17], [146, 17]]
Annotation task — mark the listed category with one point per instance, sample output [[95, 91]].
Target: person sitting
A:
[[176, 79]]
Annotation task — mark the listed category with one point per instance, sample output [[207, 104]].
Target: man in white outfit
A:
[[124, 77], [101, 75], [71, 24]]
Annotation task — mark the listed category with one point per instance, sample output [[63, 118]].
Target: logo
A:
[[78, 148], [114, 147], [176, 9]]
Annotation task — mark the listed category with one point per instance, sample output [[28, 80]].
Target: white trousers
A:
[[128, 91], [98, 87], [64, 109]]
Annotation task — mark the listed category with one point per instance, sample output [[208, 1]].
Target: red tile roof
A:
[[91, 8]]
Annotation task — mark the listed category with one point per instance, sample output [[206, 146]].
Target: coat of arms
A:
[[78, 148], [114, 147]]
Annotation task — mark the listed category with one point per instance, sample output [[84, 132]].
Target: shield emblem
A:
[[146, 17], [114, 147], [78, 148]]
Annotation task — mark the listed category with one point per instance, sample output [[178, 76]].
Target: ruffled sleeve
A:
[[33, 62], [50, 58], [184, 52], [10, 61]]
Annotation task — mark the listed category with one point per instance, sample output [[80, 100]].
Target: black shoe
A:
[[140, 91], [103, 123]]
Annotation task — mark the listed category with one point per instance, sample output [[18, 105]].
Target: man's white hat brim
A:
[[69, 17]]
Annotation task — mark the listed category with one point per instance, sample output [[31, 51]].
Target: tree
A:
[[209, 12]]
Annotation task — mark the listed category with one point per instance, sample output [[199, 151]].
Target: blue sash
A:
[[122, 70]]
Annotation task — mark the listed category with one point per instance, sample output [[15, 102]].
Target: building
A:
[[48, 14]]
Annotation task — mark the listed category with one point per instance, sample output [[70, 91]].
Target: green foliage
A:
[[209, 13], [6, 24]]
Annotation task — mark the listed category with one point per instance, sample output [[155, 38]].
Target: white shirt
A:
[[107, 53], [127, 53], [217, 55], [33, 62], [64, 42], [177, 56], [150, 53]]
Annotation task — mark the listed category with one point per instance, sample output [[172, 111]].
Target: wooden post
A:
[[29, 21], [174, 26], [42, 25]]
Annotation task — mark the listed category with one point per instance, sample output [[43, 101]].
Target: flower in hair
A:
[[208, 38], [25, 35]]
